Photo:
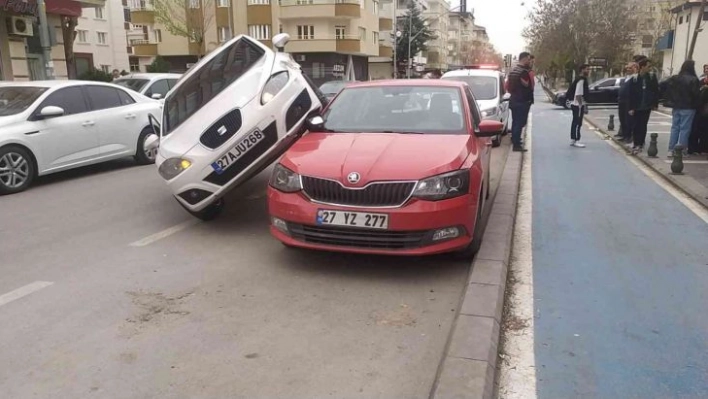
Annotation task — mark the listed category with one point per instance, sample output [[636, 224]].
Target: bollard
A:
[[677, 163], [611, 125], [653, 150]]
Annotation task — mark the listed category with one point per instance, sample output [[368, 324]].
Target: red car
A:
[[391, 167]]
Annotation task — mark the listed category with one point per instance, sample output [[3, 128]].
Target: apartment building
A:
[[101, 38], [331, 39], [438, 17], [675, 43], [381, 67], [459, 44], [21, 56]]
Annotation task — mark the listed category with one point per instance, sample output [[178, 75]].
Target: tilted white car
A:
[[229, 117], [51, 126]]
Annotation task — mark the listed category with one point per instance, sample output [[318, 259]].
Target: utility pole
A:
[[410, 29], [395, 40], [696, 30], [44, 40]]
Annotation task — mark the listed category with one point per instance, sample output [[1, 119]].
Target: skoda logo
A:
[[353, 178]]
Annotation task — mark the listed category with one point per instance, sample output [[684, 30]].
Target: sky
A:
[[504, 20]]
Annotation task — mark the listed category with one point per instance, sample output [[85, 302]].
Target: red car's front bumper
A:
[[411, 228]]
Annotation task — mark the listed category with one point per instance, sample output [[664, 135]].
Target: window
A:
[[193, 3], [339, 32], [101, 37], [172, 82], [476, 117], [125, 98], [193, 36], [375, 8], [362, 33], [483, 87], [280, 28], [82, 36], [159, 87], [305, 32], [102, 97], [158, 35], [70, 99], [375, 38], [258, 2], [304, 2], [223, 3], [220, 71], [260, 32], [647, 41], [705, 15], [607, 83], [224, 33], [318, 70], [134, 65], [106, 68], [99, 12], [680, 20]]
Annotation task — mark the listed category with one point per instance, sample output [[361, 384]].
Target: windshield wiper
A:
[[401, 132]]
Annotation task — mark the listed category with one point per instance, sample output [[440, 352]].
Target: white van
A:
[[487, 84]]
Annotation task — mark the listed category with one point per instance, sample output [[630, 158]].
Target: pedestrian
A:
[[625, 133], [643, 93], [578, 88], [705, 72], [115, 74], [698, 141], [521, 91], [681, 94]]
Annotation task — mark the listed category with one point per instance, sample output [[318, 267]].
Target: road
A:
[[614, 280], [110, 290]]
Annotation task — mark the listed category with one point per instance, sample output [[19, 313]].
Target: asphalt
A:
[[212, 310], [620, 269]]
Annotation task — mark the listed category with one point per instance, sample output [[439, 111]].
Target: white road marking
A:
[[693, 205], [164, 233], [23, 291], [517, 378]]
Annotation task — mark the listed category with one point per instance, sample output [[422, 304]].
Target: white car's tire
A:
[[142, 156], [17, 170]]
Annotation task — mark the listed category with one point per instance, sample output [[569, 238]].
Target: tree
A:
[[96, 75], [158, 65], [414, 30], [190, 19], [68, 32]]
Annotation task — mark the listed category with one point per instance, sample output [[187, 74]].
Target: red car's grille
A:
[[359, 238], [375, 194]]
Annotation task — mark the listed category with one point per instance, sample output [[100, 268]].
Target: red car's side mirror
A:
[[489, 128]]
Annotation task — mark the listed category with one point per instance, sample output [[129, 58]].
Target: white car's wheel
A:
[[16, 169], [145, 156]]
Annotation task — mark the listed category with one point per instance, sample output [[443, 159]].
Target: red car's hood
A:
[[376, 156]]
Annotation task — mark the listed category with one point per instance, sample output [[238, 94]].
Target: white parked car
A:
[[230, 116], [153, 85], [51, 126], [487, 84]]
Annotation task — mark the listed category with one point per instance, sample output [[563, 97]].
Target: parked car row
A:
[[604, 91], [386, 167]]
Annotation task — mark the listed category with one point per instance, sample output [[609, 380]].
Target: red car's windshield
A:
[[397, 109]]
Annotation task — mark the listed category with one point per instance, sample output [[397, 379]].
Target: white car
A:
[[153, 85], [230, 116], [51, 126], [487, 84]]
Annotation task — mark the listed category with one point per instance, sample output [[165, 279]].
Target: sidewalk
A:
[[694, 180]]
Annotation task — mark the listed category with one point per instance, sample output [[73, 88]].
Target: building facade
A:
[[381, 67], [21, 55], [331, 39], [438, 17], [675, 43], [653, 18], [459, 39], [101, 40]]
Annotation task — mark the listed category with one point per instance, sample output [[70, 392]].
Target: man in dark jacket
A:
[[643, 98], [681, 93], [625, 120], [521, 91]]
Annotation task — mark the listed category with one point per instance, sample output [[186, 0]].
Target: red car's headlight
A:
[[285, 180], [444, 186]]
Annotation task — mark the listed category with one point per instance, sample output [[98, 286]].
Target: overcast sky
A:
[[504, 20]]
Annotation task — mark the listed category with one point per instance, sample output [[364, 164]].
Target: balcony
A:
[[385, 24], [303, 9], [665, 42], [144, 16], [385, 51], [349, 44], [143, 48]]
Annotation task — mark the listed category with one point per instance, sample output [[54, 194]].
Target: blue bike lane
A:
[[620, 274]]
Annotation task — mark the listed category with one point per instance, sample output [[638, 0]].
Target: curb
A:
[[684, 183], [468, 368]]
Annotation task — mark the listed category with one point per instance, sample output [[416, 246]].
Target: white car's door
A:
[[68, 140], [116, 118]]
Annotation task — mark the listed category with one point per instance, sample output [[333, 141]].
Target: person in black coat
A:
[[643, 98]]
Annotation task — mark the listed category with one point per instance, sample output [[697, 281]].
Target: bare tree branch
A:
[[191, 19]]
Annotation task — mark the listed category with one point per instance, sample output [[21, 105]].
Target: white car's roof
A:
[[473, 72], [151, 76], [48, 83]]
